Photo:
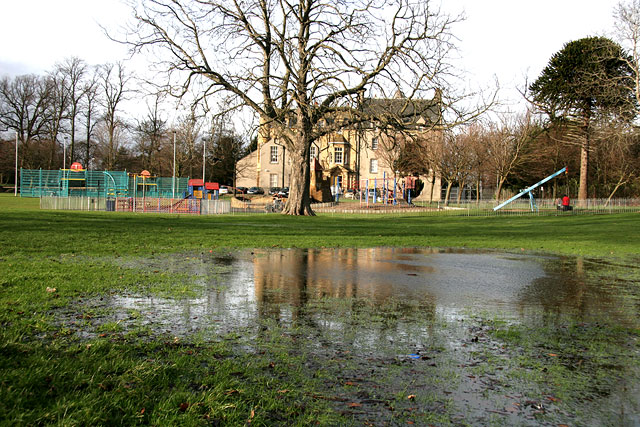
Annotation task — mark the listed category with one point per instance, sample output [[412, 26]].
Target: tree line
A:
[[77, 113]]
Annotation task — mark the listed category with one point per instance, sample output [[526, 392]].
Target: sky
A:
[[508, 39]]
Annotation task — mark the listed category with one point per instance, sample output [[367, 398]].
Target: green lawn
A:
[[51, 374], [24, 229]]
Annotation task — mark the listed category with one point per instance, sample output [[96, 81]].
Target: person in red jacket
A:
[[566, 203]]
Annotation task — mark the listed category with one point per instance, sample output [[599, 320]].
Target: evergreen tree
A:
[[587, 79]]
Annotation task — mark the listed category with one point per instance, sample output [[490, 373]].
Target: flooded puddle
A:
[[474, 334], [246, 286]]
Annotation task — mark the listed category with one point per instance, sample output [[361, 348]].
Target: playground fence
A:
[[137, 204], [73, 203], [485, 208], [463, 208]]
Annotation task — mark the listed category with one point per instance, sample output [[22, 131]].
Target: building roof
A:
[[409, 111]]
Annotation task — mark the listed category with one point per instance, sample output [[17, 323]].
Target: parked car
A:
[[241, 190], [255, 190], [349, 194], [374, 192], [224, 189], [274, 190], [284, 192]]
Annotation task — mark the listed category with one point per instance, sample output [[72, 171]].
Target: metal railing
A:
[[221, 207], [138, 205], [485, 208]]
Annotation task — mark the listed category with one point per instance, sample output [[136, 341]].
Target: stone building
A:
[[356, 156]]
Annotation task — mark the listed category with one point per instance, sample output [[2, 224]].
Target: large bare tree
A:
[[297, 63]]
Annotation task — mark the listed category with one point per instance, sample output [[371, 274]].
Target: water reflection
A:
[[278, 284], [448, 279]]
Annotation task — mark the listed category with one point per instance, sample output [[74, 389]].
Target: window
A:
[[273, 180], [313, 152], [274, 154], [374, 143], [373, 166], [338, 154]]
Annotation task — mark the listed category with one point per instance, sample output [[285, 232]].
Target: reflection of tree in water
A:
[[573, 288], [342, 291]]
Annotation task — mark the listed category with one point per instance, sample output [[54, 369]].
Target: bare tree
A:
[[151, 134], [616, 157], [113, 81], [71, 73], [475, 142], [56, 113], [90, 103], [452, 160], [297, 63], [24, 103], [188, 135], [506, 142], [627, 25]]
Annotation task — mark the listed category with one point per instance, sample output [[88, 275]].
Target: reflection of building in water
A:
[[294, 276]]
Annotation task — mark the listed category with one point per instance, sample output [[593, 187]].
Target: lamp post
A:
[[173, 182], [204, 158], [64, 153], [15, 190]]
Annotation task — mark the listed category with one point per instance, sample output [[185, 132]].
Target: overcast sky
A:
[[510, 39]]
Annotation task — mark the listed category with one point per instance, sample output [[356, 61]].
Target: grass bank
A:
[[65, 360]]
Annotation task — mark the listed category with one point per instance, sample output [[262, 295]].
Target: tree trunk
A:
[[299, 201], [448, 194], [584, 160], [460, 191], [499, 189], [433, 183]]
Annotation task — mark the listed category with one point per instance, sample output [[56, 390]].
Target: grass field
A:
[[52, 372], [24, 229]]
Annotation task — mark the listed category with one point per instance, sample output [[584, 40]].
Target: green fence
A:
[[85, 183]]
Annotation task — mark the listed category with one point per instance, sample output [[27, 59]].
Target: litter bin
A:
[[111, 205]]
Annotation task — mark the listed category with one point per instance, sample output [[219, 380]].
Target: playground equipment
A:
[[386, 190], [79, 182], [197, 189], [528, 190]]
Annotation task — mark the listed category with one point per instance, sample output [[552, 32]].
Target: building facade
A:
[[356, 156]]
